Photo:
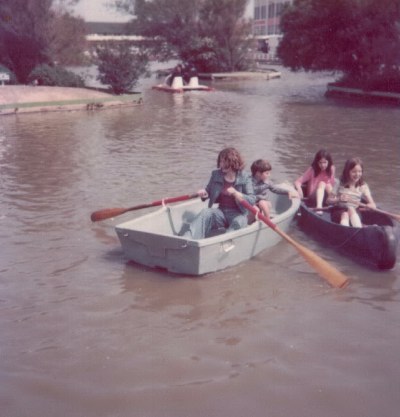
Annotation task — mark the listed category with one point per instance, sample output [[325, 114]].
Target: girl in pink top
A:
[[319, 179]]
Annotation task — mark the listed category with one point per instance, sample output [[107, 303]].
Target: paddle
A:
[[324, 269], [365, 206], [113, 212], [392, 215]]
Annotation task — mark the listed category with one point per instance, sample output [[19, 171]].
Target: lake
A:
[[83, 332]]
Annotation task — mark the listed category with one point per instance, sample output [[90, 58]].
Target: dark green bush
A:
[[54, 76], [120, 68], [13, 78], [387, 81]]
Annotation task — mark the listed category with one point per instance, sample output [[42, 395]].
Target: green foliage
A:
[[33, 32], [390, 82], [54, 76], [21, 54], [222, 22], [211, 34], [361, 38], [13, 78], [120, 67], [69, 40]]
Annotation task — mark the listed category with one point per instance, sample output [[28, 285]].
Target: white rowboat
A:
[[155, 240]]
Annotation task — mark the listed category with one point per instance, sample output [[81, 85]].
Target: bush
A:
[[387, 81], [13, 78], [120, 67], [54, 76]]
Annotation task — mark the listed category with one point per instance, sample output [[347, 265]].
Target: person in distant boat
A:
[[261, 171], [176, 72], [319, 179], [189, 71], [227, 183], [348, 194]]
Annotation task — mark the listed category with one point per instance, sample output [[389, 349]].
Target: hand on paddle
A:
[[234, 193], [293, 194], [333, 199], [203, 194]]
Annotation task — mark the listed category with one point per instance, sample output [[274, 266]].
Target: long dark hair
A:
[[348, 166], [322, 153]]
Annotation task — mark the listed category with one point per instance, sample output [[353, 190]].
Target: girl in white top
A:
[[351, 190]]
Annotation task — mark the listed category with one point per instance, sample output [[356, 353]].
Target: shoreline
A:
[[350, 93], [15, 99]]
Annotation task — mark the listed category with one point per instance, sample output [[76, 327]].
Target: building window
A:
[[263, 12], [271, 10]]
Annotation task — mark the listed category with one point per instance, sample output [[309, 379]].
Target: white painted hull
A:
[[153, 239], [178, 86]]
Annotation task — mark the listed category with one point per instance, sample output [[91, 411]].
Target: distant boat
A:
[[178, 86]]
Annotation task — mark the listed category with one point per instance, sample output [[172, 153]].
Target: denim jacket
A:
[[262, 188], [243, 184]]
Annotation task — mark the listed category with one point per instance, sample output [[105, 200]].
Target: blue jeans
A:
[[210, 219]]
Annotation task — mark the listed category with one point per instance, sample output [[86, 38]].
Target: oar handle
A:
[[392, 215], [114, 212], [173, 199]]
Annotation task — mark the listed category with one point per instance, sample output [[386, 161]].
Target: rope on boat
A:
[[349, 238]]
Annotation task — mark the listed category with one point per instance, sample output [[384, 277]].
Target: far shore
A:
[[27, 98], [341, 91], [28, 93]]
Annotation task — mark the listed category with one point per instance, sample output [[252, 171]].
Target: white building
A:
[[267, 16]]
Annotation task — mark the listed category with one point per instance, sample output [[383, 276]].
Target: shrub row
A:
[[48, 75]]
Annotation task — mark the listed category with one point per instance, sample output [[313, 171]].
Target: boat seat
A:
[[216, 232], [193, 82], [177, 82]]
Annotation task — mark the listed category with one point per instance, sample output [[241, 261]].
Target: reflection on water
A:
[[83, 332]]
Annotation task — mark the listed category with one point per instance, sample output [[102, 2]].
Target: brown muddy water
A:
[[84, 333]]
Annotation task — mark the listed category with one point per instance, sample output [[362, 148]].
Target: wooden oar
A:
[[392, 215], [365, 206], [114, 212], [324, 269]]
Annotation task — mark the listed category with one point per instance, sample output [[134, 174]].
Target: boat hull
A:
[[166, 88], [154, 239], [375, 244], [178, 86]]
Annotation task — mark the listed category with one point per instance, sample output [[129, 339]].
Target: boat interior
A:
[[175, 219]]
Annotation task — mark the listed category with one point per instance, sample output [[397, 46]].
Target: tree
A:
[[212, 34], [223, 23], [361, 38], [120, 67], [29, 33], [23, 35], [68, 39]]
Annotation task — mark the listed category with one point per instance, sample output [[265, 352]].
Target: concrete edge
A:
[[96, 103]]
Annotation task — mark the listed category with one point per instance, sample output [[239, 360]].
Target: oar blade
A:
[[106, 214], [335, 278], [324, 269]]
